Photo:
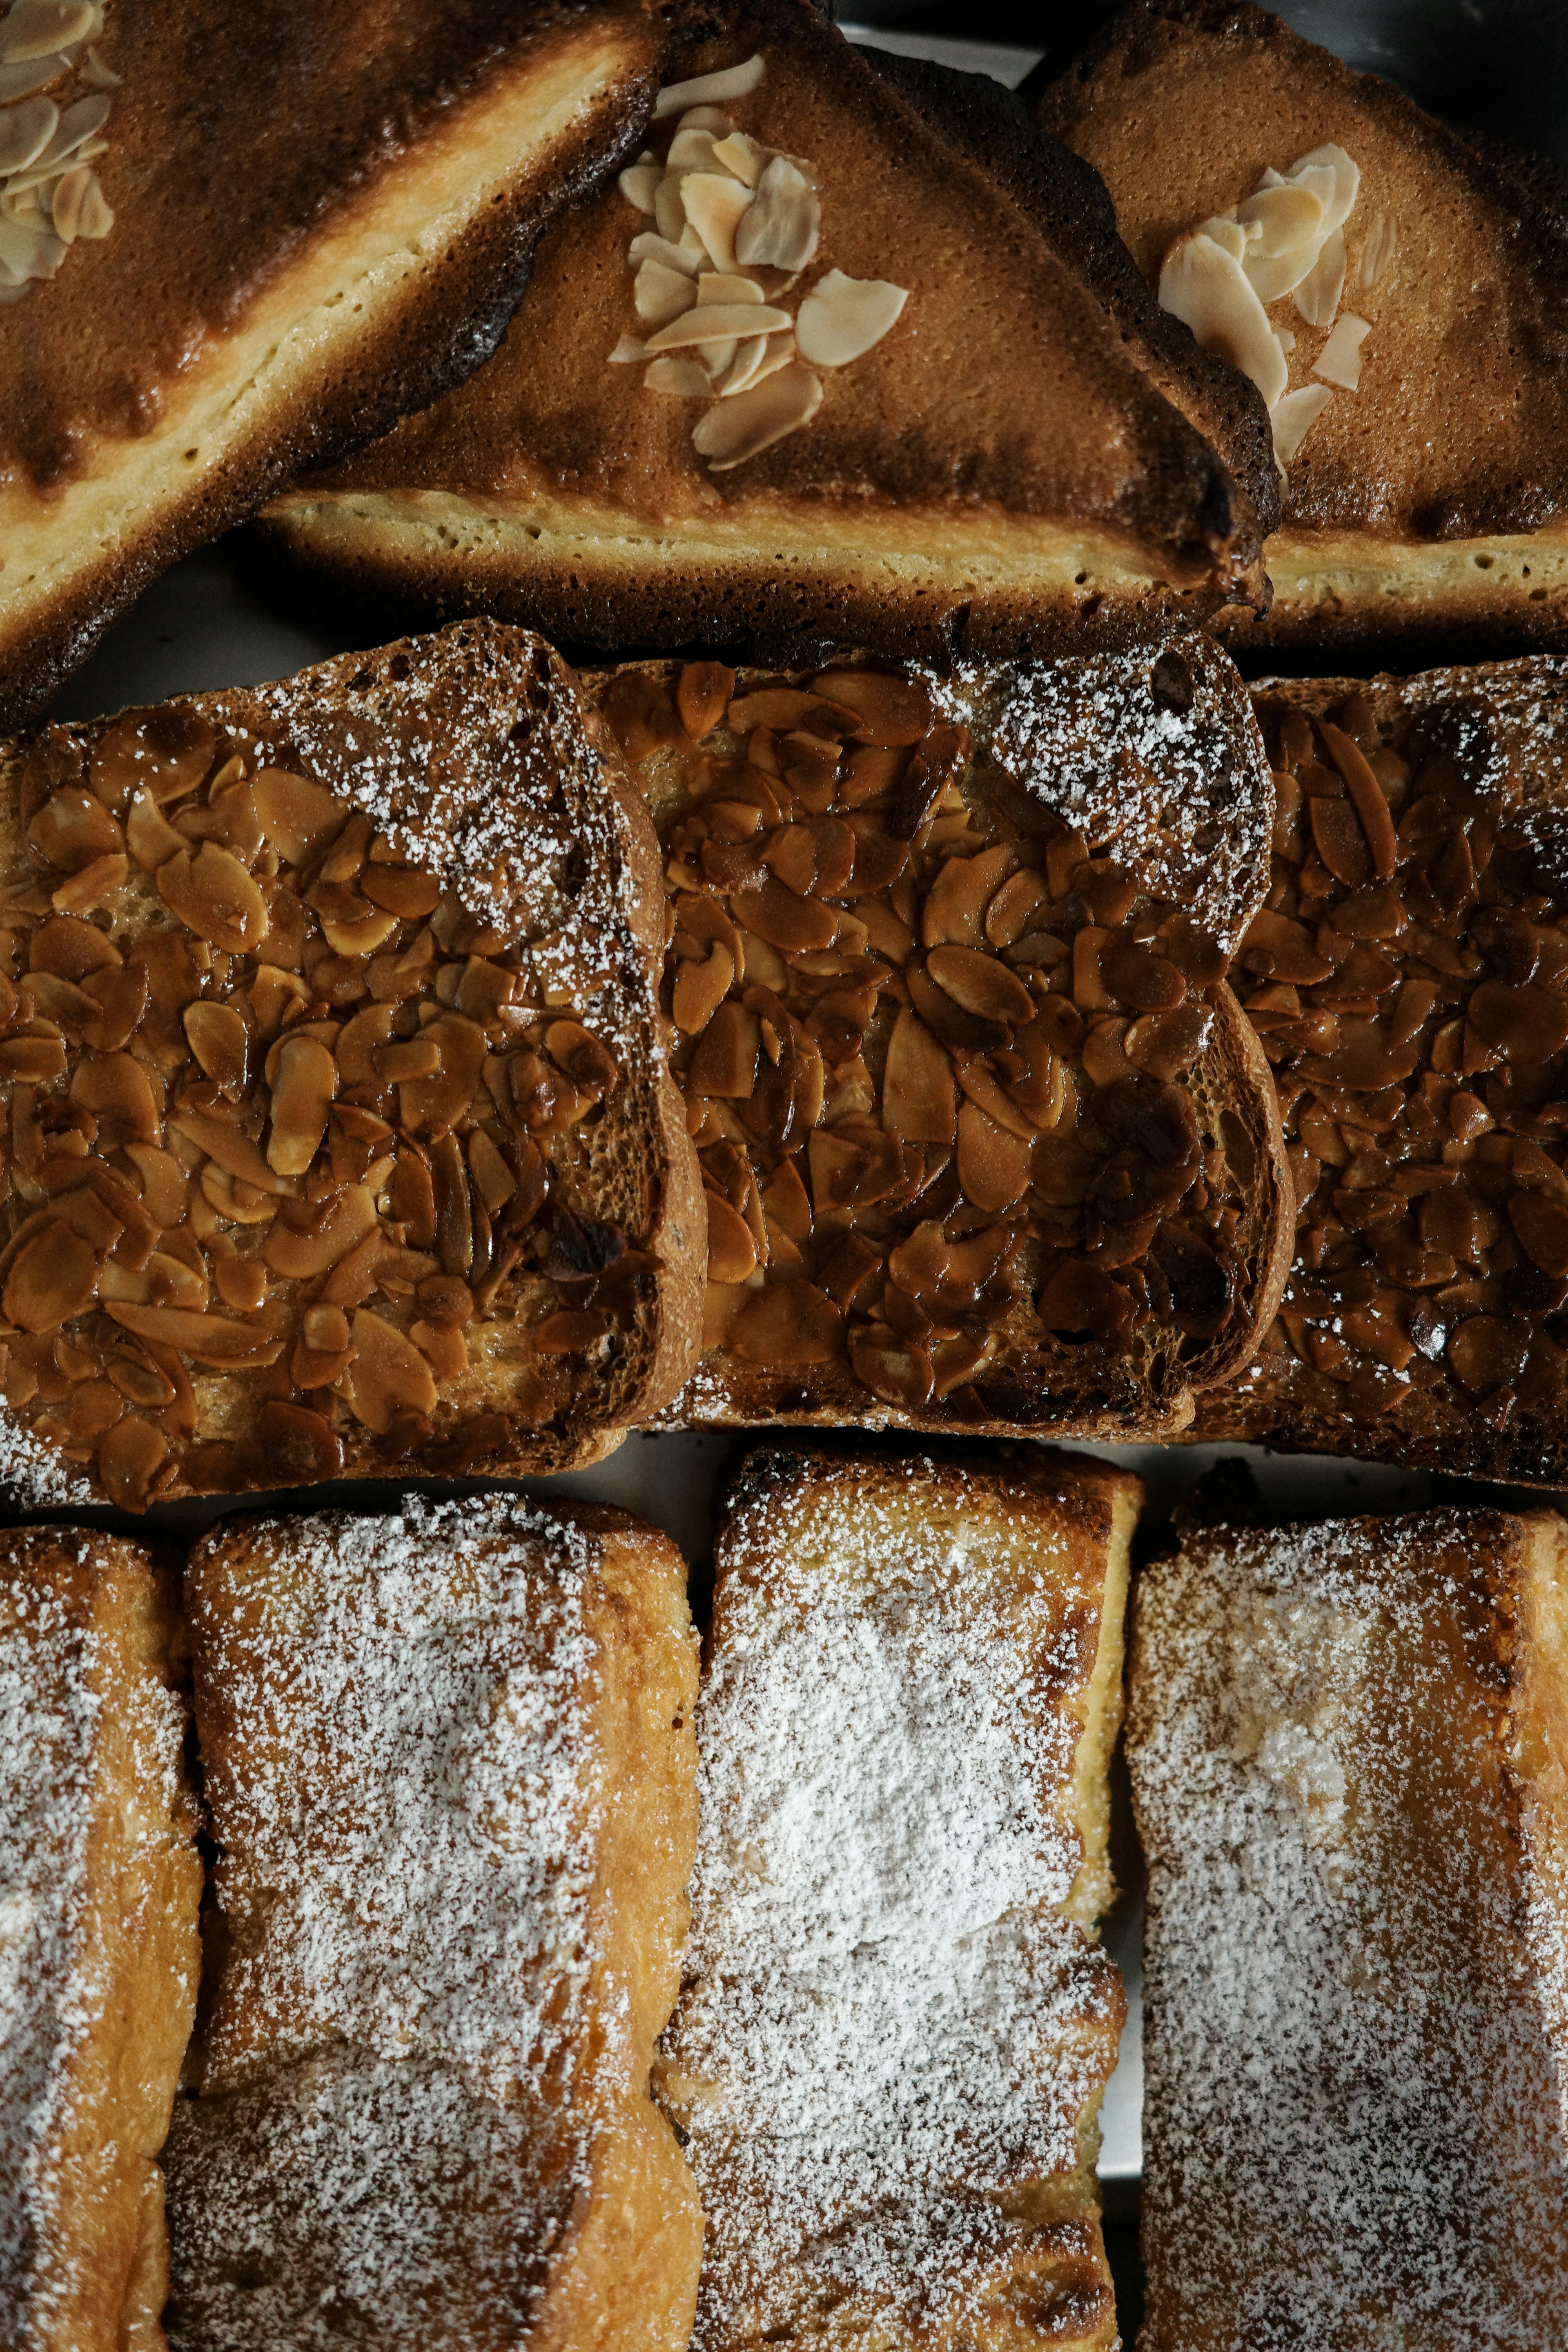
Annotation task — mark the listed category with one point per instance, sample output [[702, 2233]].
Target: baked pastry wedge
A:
[[241, 236], [450, 1767], [341, 1133], [1409, 984], [100, 1886], [896, 2021], [985, 1141], [1345, 1742], [804, 373], [1398, 296]]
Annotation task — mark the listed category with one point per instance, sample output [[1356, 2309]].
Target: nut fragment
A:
[[752, 420], [842, 318], [214, 895]]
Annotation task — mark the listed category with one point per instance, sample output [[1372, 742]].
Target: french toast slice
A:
[[342, 1135], [102, 1883], [1428, 495], [985, 1141], [896, 2022], [1409, 984], [450, 1766], [935, 439], [1345, 1742], [302, 224]]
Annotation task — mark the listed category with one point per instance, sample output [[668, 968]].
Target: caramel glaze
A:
[[235, 132], [1005, 383], [1461, 423]]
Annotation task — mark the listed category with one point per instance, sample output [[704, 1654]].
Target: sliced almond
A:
[[701, 988], [651, 247], [639, 183], [165, 1190], [300, 1250], [782, 228], [303, 1092], [1209, 290], [628, 351], [298, 816], [388, 1374], [678, 377], [1293, 416], [150, 838], [128, 1459], [73, 829], [26, 130], [717, 288], [709, 89], [980, 985], [220, 1042], [1228, 233], [493, 1180], [714, 204], [691, 148], [232, 1199], [212, 1339], [1377, 252], [1284, 229], [1318, 295], [1339, 362], [1338, 202], [843, 317], [93, 885], [740, 156], [214, 895], [52, 1278], [752, 420], [669, 213], [33, 28], [717, 322], [232, 1149], [661, 294], [116, 1086], [917, 1096]]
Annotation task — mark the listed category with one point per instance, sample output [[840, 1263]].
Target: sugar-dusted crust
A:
[[1381, 1348], [450, 1764], [1459, 430], [474, 759], [101, 1887], [1355, 2024], [386, 175], [937, 496], [896, 2024]]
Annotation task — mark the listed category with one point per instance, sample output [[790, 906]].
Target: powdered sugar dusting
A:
[[1354, 2115], [886, 2021]]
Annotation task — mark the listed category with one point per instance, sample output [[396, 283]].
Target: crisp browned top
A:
[[1460, 422], [1003, 381], [234, 133]]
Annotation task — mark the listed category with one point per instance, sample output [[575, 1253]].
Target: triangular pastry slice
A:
[[1398, 296], [235, 238], [803, 373]]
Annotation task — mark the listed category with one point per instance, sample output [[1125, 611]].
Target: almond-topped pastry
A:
[[985, 1141], [1346, 1747], [340, 1134], [1397, 297], [100, 1884], [800, 370], [1408, 981], [239, 235]]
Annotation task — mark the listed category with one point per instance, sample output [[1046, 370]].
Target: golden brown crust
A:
[[1014, 409], [159, 388]]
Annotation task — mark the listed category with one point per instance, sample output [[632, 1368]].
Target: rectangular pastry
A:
[[341, 1133], [1346, 1744], [100, 1886], [985, 1141], [896, 2022], [449, 1764]]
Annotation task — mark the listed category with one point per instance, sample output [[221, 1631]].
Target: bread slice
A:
[[450, 1765], [1429, 502], [342, 1136], [1410, 986], [896, 2022], [98, 1934], [1345, 1743], [961, 1172], [994, 472], [302, 224]]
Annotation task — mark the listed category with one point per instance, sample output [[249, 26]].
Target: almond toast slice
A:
[[897, 2021], [1346, 1743], [101, 1885], [986, 1141], [245, 233], [342, 1131], [934, 439], [451, 1769], [1410, 986], [1421, 370]]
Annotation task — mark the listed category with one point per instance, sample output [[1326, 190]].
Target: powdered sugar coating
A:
[[1354, 2124], [886, 2021]]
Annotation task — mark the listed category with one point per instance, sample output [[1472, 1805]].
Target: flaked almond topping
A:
[[842, 318], [753, 420], [1339, 362], [709, 89]]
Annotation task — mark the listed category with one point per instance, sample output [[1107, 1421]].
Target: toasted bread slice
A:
[[1345, 1744], [990, 468], [341, 1130], [1429, 498], [303, 224], [985, 1140], [101, 1885], [1410, 986], [896, 2022], [450, 1764]]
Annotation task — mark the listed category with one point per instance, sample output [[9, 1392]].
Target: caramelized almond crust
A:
[[342, 1133], [102, 1884], [1003, 414], [385, 175], [1459, 430], [911, 1698], [986, 1140], [1345, 1748], [1409, 984], [451, 1768]]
